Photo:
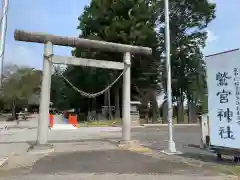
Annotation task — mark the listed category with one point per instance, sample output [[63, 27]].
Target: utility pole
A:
[[171, 143], [3, 36]]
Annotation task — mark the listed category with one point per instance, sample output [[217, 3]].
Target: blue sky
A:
[[60, 17]]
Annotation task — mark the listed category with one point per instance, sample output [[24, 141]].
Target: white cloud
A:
[[211, 36]]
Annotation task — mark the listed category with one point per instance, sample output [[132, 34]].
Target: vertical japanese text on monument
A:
[[236, 72], [224, 114], [222, 81]]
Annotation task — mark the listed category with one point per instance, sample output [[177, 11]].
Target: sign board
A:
[[223, 80]]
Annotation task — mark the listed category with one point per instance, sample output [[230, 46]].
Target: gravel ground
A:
[[106, 164], [93, 154]]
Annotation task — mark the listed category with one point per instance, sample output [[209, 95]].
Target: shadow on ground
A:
[[202, 157], [62, 141], [195, 152], [208, 156], [108, 161]]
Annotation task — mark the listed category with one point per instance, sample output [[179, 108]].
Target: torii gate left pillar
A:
[[42, 134]]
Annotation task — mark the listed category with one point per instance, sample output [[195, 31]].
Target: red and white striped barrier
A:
[[58, 122]]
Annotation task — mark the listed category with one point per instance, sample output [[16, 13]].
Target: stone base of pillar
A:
[[41, 148], [134, 146], [167, 152], [123, 143]]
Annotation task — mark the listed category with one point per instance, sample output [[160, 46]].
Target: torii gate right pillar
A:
[[126, 117]]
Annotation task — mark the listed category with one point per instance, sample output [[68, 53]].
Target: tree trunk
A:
[[109, 104], [192, 114], [14, 113], [105, 104], [144, 109], [117, 106], [165, 112], [93, 109], [89, 110], [154, 106], [180, 112]]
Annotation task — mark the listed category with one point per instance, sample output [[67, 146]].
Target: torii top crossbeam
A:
[[39, 37]]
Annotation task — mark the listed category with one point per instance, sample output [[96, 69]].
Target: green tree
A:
[[128, 22], [140, 22], [188, 20], [19, 86], [60, 90]]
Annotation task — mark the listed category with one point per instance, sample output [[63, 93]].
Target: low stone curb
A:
[[163, 125], [137, 127]]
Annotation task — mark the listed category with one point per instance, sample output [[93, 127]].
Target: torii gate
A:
[[49, 40]]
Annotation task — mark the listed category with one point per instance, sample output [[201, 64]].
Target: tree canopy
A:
[[20, 85], [141, 22]]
